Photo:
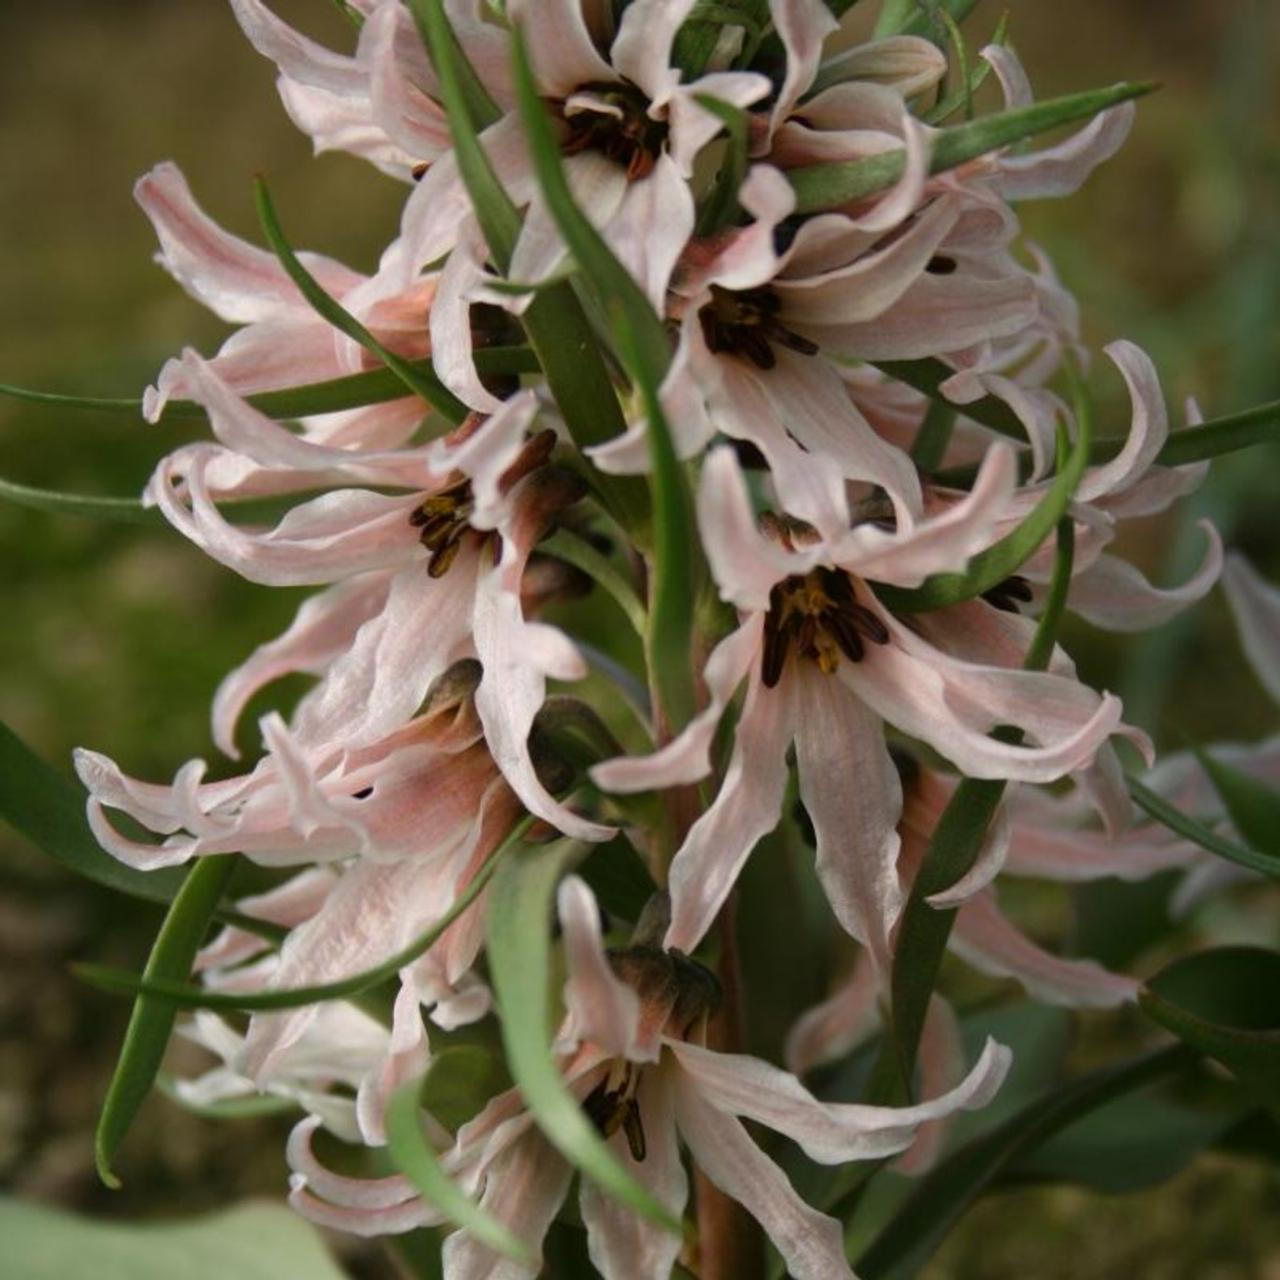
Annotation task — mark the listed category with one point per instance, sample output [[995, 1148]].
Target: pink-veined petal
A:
[[941, 1068], [985, 938], [687, 758], [838, 741], [298, 57], [811, 1244], [831, 1029], [829, 1132], [1112, 593], [803, 26], [746, 808], [622, 1244], [524, 1188], [236, 280], [1148, 431], [322, 631], [561, 50], [600, 1008]]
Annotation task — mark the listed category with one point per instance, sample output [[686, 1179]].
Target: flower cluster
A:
[[861, 391]]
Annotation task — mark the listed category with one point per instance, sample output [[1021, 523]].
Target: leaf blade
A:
[[828, 186], [151, 1023], [519, 957], [415, 1157]]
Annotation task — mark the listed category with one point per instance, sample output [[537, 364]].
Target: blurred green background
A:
[[115, 636]]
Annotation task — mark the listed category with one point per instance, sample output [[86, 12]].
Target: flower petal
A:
[[986, 939], [1255, 605], [851, 791], [600, 1008], [811, 1244], [746, 807]]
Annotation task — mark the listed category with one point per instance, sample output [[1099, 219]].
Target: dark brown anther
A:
[[633, 1127], [746, 323], [628, 134], [941, 266], [419, 171], [819, 615], [1009, 594]]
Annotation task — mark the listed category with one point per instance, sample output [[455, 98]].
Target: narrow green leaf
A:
[[621, 295], [519, 937], [827, 186], [1252, 805], [178, 994], [722, 206], [645, 351], [497, 215], [417, 1159], [151, 1023], [1212, 439], [673, 585], [558, 330], [566, 545], [96, 506], [50, 811], [956, 36], [926, 376], [420, 381], [953, 848], [697, 39], [352, 391], [1173, 818], [348, 11], [461, 90], [973, 81], [1226, 1003], [931, 441], [941, 1198], [1004, 558]]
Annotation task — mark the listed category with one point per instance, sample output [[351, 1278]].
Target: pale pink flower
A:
[[825, 666], [424, 576], [632, 1051], [407, 822], [382, 103], [283, 342], [341, 1050]]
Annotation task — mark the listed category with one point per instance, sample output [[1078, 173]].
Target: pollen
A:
[[819, 617]]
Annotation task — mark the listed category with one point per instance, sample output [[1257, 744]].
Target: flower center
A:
[[746, 323], [443, 522], [818, 615], [612, 1105], [614, 120], [677, 994]]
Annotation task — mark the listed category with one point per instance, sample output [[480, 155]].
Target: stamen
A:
[[627, 134], [818, 616], [745, 323]]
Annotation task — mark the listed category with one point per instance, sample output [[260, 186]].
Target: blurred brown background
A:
[[116, 636]]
